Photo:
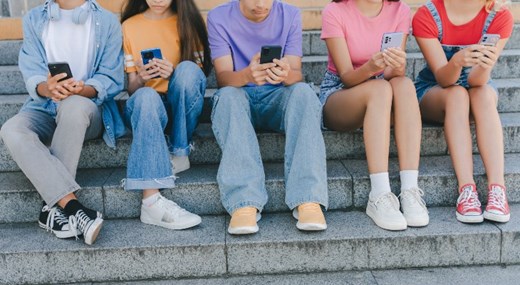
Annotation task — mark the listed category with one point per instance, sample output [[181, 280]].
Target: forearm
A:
[[390, 73], [356, 76], [88, 92], [479, 76], [233, 78], [133, 85], [448, 74], [293, 77], [43, 90]]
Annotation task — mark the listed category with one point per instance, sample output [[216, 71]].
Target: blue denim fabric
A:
[[426, 79], [107, 75], [147, 114], [294, 110], [330, 84]]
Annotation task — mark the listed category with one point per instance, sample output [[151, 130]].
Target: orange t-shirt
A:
[[141, 33]]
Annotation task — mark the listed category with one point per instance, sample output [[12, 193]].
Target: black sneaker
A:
[[89, 226], [54, 219]]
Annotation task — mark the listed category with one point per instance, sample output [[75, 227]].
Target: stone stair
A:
[[128, 250]]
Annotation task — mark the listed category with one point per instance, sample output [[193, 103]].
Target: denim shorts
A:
[[330, 84], [423, 86]]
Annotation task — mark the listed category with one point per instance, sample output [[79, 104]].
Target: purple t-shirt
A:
[[230, 33]]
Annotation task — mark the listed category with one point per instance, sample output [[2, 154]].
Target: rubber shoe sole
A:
[[171, 226], [470, 219], [496, 217], [417, 222], [386, 225], [308, 226], [58, 234], [92, 233]]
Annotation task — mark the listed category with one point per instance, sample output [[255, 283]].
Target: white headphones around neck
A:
[[79, 15]]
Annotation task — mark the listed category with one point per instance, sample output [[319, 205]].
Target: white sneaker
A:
[[179, 163], [384, 211], [414, 207], [168, 214]]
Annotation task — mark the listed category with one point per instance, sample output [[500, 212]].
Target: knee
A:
[[458, 98], [482, 97], [146, 99], [77, 109], [303, 94], [187, 74], [403, 90], [228, 98], [380, 94], [12, 134]]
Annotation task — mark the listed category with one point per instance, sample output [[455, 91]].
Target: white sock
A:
[[409, 179], [149, 201], [379, 184]]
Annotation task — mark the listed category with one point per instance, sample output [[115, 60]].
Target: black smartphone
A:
[[56, 68], [269, 53], [149, 54]]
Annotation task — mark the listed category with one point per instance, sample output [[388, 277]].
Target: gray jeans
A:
[[52, 170]]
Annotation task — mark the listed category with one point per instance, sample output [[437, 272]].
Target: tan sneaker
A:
[[243, 221], [310, 217]]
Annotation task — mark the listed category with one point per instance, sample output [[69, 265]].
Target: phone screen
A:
[[56, 68], [269, 53]]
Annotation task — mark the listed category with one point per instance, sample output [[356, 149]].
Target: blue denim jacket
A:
[[107, 75]]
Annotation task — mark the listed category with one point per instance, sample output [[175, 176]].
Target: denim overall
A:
[[426, 80]]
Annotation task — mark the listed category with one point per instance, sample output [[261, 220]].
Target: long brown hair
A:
[[190, 25]]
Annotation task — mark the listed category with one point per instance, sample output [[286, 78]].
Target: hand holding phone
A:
[[148, 55], [56, 68], [489, 40]]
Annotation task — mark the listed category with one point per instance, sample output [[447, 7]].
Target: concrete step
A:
[[96, 154], [490, 274], [130, 250], [312, 45], [509, 90], [508, 67], [197, 189]]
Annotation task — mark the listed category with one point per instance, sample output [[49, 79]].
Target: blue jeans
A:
[[150, 115], [294, 110]]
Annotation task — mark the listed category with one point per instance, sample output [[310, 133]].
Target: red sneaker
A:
[[497, 208], [468, 205]]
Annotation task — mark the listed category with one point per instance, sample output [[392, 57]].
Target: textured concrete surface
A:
[[140, 251], [507, 275], [197, 190], [353, 242], [96, 154], [510, 237]]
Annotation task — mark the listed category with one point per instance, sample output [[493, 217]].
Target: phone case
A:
[[149, 54], [391, 40], [269, 53], [56, 68], [489, 39]]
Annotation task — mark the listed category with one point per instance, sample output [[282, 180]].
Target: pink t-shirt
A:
[[363, 34]]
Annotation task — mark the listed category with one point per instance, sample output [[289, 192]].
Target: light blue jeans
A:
[[150, 115], [294, 110]]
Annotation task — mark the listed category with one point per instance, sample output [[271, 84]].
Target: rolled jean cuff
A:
[[177, 151], [297, 203], [237, 206], [136, 184], [60, 196]]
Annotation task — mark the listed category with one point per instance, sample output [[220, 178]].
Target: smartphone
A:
[[489, 39], [391, 40], [269, 53], [149, 54], [56, 68]]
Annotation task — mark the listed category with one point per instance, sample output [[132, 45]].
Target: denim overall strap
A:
[[436, 17], [489, 19]]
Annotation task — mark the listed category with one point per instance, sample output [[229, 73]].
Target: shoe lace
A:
[[413, 195], [56, 215], [79, 221], [469, 199], [497, 198], [170, 206], [387, 201]]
